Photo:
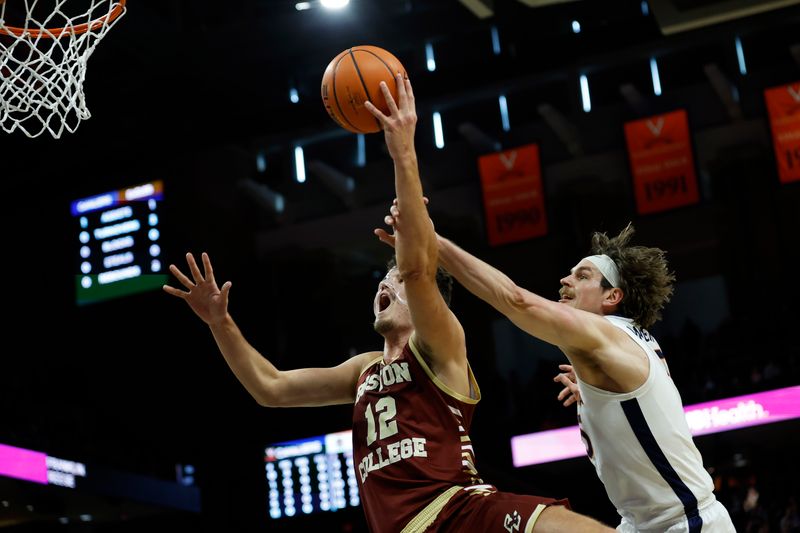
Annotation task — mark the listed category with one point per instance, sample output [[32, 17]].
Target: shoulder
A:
[[362, 361]]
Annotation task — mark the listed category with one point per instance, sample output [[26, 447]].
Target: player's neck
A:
[[393, 346]]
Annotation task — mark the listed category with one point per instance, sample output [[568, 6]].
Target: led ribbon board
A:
[[703, 418]]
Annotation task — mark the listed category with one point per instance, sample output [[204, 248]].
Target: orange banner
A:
[[662, 164], [512, 195], [783, 105]]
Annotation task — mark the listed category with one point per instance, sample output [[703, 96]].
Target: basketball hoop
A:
[[43, 59]]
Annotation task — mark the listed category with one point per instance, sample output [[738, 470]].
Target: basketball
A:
[[353, 77]]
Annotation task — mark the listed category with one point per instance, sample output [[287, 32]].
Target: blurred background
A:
[[220, 103]]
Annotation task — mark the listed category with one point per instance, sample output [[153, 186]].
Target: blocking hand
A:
[[400, 124], [392, 220]]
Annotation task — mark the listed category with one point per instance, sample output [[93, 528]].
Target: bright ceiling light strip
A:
[[656, 78], [740, 57], [299, 164], [504, 112], [585, 97], [430, 60], [438, 132], [495, 41]]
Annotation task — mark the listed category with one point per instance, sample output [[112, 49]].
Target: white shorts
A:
[[715, 520]]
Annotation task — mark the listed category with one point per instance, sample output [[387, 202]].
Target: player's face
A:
[[582, 289], [390, 306]]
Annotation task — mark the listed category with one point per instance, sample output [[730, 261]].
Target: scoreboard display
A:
[[311, 475], [118, 236]]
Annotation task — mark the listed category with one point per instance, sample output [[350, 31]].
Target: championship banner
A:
[[512, 195], [783, 105], [662, 164]]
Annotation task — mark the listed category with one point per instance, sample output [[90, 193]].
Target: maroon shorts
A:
[[490, 510]]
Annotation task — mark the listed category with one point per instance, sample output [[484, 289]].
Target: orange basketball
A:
[[352, 78]]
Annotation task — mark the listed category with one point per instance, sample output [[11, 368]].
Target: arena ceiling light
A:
[[327, 4], [334, 4]]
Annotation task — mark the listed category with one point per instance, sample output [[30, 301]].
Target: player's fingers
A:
[[207, 269], [425, 200], [560, 378], [224, 291], [564, 393], [569, 401], [185, 281], [175, 292], [401, 86], [565, 368], [395, 212], [377, 113], [409, 90], [384, 236], [194, 269], [390, 103]]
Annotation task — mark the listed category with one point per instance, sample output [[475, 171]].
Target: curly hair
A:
[[444, 280], [645, 279]]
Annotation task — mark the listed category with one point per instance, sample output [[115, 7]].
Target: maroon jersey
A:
[[410, 442]]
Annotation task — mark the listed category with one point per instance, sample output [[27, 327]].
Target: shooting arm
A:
[[293, 388]]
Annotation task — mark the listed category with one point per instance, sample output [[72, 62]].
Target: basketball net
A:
[[43, 54]]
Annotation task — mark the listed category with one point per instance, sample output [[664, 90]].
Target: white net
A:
[[44, 48]]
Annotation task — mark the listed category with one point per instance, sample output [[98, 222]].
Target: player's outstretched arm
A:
[[437, 330], [545, 319], [265, 383]]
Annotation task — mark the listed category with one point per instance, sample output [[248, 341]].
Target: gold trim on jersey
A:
[[425, 518], [534, 517], [372, 362], [473, 383]]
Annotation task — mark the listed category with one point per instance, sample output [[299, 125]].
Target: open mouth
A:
[[383, 302]]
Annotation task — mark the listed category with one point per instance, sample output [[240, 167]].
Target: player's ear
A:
[[614, 296]]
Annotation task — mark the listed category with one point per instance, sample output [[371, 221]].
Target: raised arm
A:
[[563, 326], [437, 330], [265, 383]]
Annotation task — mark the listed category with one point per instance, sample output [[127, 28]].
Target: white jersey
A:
[[641, 446]]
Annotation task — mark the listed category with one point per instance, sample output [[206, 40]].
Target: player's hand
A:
[[400, 124], [207, 300], [570, 390], [391, 220]]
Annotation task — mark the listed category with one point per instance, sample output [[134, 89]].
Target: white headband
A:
[[607, 268]]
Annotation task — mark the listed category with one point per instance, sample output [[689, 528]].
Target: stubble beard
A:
[[383, 326]]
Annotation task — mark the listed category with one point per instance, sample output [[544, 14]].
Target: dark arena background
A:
[[209, 115]]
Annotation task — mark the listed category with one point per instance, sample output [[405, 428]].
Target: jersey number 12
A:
[[386, 410]]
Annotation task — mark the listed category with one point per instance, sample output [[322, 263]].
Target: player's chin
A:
[[382, 325]]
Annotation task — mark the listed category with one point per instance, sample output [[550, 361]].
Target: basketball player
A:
[[630, 412], [414, 400]]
